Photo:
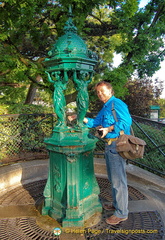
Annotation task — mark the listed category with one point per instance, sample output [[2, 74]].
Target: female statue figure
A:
[[82, 98], [59, 101]]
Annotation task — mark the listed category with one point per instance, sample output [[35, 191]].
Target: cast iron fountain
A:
[[71, 192]]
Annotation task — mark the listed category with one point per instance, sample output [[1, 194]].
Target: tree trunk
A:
[[31, 94]]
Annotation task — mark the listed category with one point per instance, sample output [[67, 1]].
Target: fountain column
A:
[[71, 192]]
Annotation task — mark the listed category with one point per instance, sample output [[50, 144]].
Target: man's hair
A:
[[107, 84]]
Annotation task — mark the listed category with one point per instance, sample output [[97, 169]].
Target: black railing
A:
[[154, 135], [22, 138]]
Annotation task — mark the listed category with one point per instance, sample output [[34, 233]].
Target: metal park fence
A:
[[154, 134], [22, 138]]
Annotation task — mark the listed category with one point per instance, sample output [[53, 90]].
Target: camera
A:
[[100, 132]]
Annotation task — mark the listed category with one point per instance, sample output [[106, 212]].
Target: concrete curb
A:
[[20, 173], [133, 172], [30, 171], [145, 176]]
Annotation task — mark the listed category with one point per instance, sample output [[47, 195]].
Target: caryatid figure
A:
[[82, 99], [59, 101]]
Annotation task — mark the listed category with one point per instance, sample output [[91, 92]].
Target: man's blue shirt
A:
[[105, 118]]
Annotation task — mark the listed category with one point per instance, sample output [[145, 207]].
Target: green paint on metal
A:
[[71, 192]]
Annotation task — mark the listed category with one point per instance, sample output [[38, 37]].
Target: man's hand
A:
[[105, 131], [72, 117]]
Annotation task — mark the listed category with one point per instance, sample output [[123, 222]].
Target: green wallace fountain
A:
[[71, 191]]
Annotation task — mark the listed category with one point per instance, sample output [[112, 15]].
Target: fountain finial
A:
[[69, 25]]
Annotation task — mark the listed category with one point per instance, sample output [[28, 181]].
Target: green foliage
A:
[[141, 95], [29, 28], [25, 109], [161, 103], [144, 44], [23, 134], [152, 157]]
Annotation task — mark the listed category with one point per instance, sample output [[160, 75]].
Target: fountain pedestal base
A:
[[71, 192]]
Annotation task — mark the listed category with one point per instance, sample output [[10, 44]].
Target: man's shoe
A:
[[108, 206], [113, 220]]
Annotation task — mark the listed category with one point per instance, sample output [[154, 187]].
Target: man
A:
[[110, 131]]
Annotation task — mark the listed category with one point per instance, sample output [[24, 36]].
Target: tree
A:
[[161, 103], [142, 94], [29, 28]]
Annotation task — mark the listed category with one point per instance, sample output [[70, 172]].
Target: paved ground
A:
[[150, 210]]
